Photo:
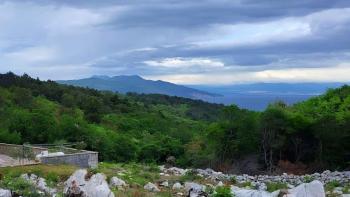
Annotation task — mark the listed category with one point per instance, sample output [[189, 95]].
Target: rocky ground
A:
[[111, 180]]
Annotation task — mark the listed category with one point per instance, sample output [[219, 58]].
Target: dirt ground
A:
[[9, 161]]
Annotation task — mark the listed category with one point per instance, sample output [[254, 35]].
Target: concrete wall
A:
[[86, 159], [20, 151], [81, 158]]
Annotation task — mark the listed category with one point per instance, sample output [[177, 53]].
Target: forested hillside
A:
[[150, 128]]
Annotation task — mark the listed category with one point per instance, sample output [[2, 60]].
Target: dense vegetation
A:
[[149, 128]]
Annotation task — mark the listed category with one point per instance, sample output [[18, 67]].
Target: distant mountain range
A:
[[251, 96], [135, 83]]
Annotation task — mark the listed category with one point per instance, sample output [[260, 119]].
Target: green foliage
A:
[[223, 192], [233, 180], [19, 186], [332, 184], [273, 186], [150, 128], [190, 175], [346, 189], [308, 179], [246, 184]]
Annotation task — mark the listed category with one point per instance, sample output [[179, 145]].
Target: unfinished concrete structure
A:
[[14, 155]]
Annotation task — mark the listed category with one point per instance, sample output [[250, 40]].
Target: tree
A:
[[273, 134]]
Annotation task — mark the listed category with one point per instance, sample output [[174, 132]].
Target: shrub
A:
[[233, 180], [19, 186], [346, 189], [190, 175], [331, 185], [52, 178], [245, 184], [308, 179], [273, 186], [223, 192]]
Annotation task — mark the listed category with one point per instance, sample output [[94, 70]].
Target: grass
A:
[[53, 173], [222, 192], [274, 186], [132, 173]]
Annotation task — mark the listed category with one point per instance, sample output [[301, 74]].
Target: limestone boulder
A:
[[313, 189], [5, 193], [151, 187], [117, 182], [242, 192], [96, 186]]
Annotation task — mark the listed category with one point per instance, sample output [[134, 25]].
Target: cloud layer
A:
[[188, 42]]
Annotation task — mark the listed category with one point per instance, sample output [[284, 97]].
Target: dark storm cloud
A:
[[158, 37]]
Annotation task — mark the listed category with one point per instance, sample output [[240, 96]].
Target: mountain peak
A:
[[135, 83], [100, 77]]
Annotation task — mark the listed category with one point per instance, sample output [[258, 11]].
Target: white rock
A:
[[194, 189], [313, 189], [240, 192], [165, 184], [177, 186], [262, 187], [5, 193], [39, 183], [176, 171], [151, 187], [95, 187], [117, 182], [220, 184], [179, 194]]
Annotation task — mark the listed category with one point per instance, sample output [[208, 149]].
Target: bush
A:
[[308, 179], [273, 186], [245, 184], [233, 180], [190, 175], [331, 185], [20, 187], [223, 192]]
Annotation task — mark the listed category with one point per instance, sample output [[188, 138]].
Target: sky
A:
[[186, 42]]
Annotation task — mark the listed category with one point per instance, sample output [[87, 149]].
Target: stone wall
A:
[[84, 159]]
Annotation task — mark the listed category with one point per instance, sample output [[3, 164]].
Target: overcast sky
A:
[[186, 42]]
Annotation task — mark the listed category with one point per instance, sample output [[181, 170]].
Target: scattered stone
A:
[[117, 182], [175, 171], [151, 187], [194, 189], [164, 184], [180, 194], [39, 183], [220, 184], [241, 192], [177, 186]]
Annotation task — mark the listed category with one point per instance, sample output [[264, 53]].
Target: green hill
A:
[[150, 128]]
